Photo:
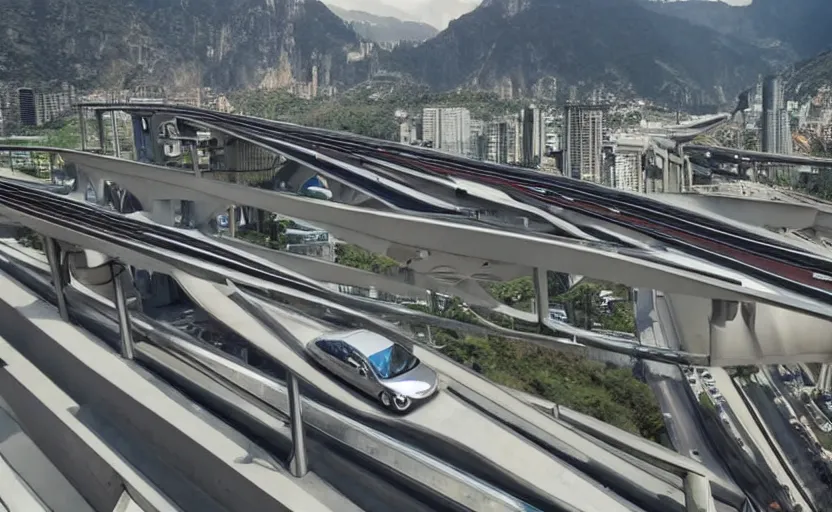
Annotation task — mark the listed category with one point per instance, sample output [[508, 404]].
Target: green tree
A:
[[354, 256]]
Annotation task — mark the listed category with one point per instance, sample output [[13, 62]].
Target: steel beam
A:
[[124, 327], [298, 464]]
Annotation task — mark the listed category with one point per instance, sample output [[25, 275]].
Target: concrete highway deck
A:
[[444, 416], [668, 384]]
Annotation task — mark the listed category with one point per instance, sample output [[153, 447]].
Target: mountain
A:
[[619, 44], [797, 29], [385, 29], [436, 13], [219, 43], [805, 78]]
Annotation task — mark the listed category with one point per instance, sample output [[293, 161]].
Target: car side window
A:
[[326, 346], [337, 349], [343, 352]]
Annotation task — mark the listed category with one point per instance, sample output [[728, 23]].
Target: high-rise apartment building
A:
[[583, 127], [628, 163], [448, 129], [26, 107], [776, 134]]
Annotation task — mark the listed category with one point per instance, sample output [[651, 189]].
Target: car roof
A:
[[366, 342]]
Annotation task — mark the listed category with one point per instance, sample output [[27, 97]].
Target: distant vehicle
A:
[[694, 454], [707, 378], [377, 366]]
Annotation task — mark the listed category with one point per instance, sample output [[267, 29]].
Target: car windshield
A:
[[393, 361]]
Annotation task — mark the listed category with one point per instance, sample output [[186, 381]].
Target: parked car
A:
[[377, 366]]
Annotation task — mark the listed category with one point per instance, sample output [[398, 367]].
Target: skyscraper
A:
[[776, 134], [583, 134], [533, 136]]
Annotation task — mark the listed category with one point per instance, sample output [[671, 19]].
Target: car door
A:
[[365, 380], [333, 357]]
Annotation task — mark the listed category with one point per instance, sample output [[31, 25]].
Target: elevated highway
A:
[[560, 440], [454, 224]]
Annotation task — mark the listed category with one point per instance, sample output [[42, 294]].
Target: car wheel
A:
[[401, 403]]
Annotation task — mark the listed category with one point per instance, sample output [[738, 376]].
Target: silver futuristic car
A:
[[376, 366]]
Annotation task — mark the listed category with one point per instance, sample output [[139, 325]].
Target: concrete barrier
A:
[[134, 401]]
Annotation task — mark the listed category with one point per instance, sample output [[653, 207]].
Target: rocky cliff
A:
[[218, 43], [618, 44]]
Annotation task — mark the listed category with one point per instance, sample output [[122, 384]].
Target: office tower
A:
[[776, 134], [26, 102], [448, 129], [533, 136], [583, 134]]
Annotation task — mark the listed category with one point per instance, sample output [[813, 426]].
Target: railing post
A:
[[298, 464], [195, 160], [124, 328], [53, 254], [82, 126], [116, 143], [541, 295]]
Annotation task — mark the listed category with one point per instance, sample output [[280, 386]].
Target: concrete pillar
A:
[[99, 124], [162, 212], [116, 144], [298, 463], [698, 496], [232, 221], [125, 329], [82, 124], [53, 255], [195, 160], [541, 295]]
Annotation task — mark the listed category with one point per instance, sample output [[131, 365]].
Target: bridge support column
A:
[[698, 496], [162, 211], [99, 124], [116, 143], [82, 125], [541, 295], [298, 463], [124, 328], [195, 160], [232, 221], [53, 254]]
